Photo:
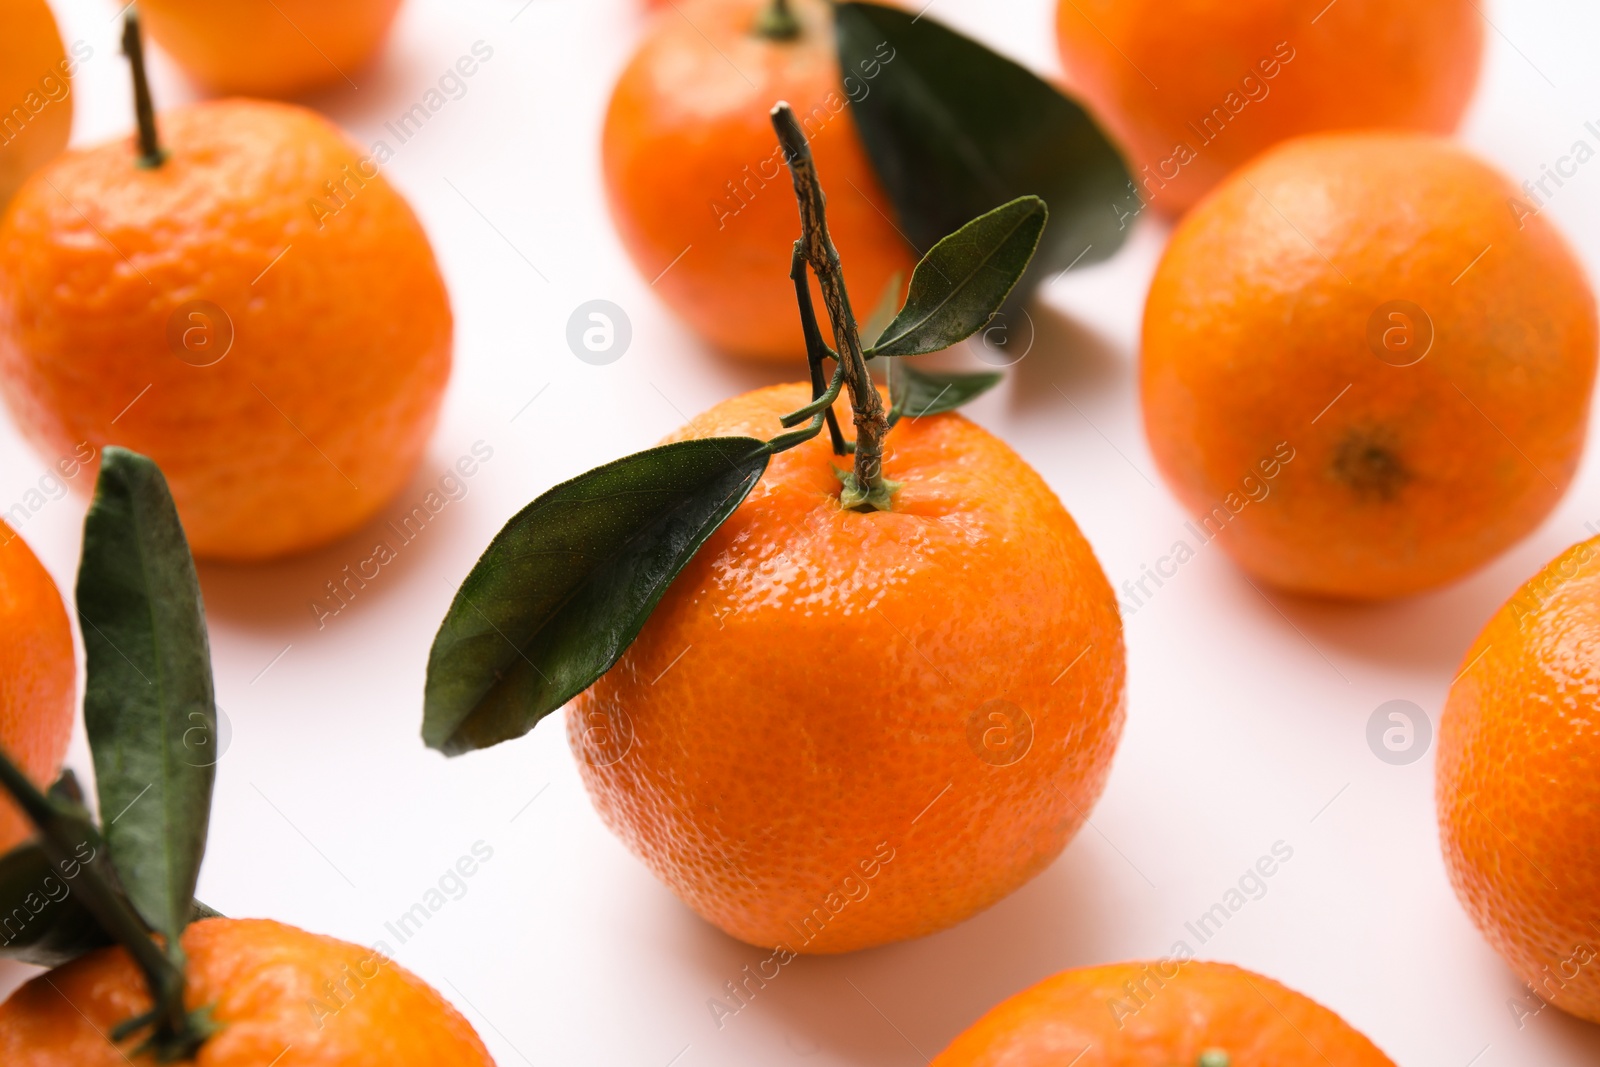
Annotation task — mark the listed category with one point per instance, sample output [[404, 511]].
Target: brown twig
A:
[[871, 418], [151, 154]]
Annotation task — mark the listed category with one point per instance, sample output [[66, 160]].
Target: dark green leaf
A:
[[954, 130], [964, 279], [148, 684], [42, 920], [914, 393], [564, 588]]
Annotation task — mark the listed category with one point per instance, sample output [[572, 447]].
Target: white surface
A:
[[331, 815]]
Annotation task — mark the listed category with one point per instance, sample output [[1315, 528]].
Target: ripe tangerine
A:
[[1171, 1013], [282, 996], [38, 676], [1518, 783], [1195, 88], [1371, 306], [843, 728], [277, 48], [697, 184], [262, 315]]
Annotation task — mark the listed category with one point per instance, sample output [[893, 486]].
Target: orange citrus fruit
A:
[[38, 676], [281, 996], [1166, 1013], [698, 185], [1518, 783], [270, 47], [262, 315], [35, 92], [1363, 372], [1194, 88], [839, 728]]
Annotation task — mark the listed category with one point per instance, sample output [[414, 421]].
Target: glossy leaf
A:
[[914, 393], [964, 279], [954, 130], [564, 588], [148, 684]]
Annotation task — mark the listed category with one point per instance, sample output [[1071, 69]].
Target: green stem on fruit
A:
[[151, 154], [63, 833], [777, 22], [865, 488]]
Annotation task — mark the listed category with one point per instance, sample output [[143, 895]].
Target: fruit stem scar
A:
[[870, 491], [151, 154], [778, 22]]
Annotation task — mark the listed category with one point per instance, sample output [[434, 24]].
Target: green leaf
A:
[[565, 587], [954, 130], [42, 921], [916, 393], [964, 279], [148, 683]]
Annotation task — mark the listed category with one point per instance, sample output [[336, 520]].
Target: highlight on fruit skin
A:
[[271, 48], [1171, 1012], [1366, 365], [278, 337], [1197, 88], [36, 88], [1517, 787]]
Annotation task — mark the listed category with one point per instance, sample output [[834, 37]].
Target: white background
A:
[[1247, 717]]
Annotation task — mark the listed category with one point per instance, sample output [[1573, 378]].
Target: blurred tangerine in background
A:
[[35, 91], [274, 48], [697, 184], [38, 676], [1194, 88]]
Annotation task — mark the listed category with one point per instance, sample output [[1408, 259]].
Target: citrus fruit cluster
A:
[[909, 676]]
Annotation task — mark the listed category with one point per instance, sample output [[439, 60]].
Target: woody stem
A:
[[151, 154], [777, 22], [871, 419]]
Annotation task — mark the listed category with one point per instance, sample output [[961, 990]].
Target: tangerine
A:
[[38, 676], [1518, 783], [270, 47], [841, 728], [1363, 368], [697, 184], [282, 996], [1198, 87], [261, 314], [35, 92], [1161, 1014]]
